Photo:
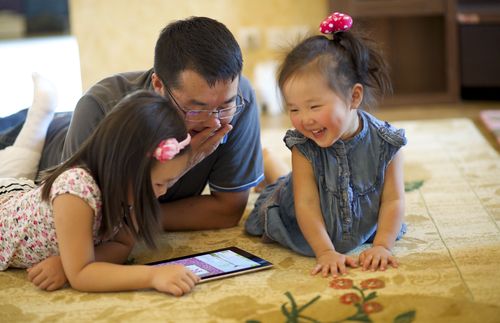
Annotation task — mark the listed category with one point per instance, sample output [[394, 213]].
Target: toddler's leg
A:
[[274, 168], [22, 158]]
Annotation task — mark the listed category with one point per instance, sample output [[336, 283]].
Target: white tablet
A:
[[219, 263]]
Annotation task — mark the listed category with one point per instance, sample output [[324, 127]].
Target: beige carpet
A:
[[450, 257]]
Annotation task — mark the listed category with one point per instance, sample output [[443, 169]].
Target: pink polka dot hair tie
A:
[[169, 148], [336, 22]]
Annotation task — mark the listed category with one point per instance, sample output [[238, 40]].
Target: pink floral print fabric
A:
[[27, 230]]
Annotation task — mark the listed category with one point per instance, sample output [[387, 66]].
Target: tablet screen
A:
[[219, 263]]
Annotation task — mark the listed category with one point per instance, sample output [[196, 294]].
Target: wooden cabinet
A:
[[419, 40]]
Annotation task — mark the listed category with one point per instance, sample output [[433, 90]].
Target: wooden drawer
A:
[[419, 40], [372, 8]]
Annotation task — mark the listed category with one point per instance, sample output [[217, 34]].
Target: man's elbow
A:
[[233, 218], [232, 207]]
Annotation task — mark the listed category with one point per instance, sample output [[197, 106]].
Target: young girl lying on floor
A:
[[346, 185], [82, 221]]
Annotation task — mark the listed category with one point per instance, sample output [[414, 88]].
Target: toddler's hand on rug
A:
[[48, 274], [334, 263], [377, 257], [173, 279]]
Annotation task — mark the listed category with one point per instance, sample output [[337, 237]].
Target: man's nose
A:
[[213, 121]]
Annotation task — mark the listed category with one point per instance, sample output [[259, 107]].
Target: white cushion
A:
[[56, 58]]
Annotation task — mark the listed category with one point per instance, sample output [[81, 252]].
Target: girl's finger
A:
[[342, 268], [334, 269], [367, 262], [39, 279], [175, 290], [45, 284], [184, 286], [383, 264], [393, 261], [351, 262], [316, 269], [194, 278], [33, 272], [189, 281], [325, 271], [375, 263], [52, 287]]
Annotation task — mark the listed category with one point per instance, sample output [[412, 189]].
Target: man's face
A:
[[194, 93]]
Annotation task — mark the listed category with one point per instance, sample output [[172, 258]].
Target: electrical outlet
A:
[[249, 38], [279, 38]]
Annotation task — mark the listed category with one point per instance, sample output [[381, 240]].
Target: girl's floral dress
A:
[[27, 230]]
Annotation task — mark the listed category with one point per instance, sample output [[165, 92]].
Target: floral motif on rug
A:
[[362, 297], [413, 185]]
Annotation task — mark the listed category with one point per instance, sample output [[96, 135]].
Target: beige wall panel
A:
[[117, 36]]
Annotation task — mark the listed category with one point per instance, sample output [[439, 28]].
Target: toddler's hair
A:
[[118, 155], [345, 60]]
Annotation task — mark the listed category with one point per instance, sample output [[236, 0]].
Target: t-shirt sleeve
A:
[[78, 182], [87, 115], [293, 138], [395, 137], [239, 163]]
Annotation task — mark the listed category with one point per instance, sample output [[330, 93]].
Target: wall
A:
[[117, 36]]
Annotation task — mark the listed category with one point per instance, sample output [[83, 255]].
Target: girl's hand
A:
[[334, 263], [377, 257], [174, 279], [48, 274]]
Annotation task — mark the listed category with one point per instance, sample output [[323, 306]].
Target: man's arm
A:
[[202, 212], [215, 211]]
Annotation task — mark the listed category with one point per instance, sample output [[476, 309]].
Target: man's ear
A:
[[356, 96], [157, 84]]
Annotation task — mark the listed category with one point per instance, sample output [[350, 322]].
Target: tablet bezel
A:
[[263, 264]]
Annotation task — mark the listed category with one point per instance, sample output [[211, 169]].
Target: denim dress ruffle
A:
[[350, 177]]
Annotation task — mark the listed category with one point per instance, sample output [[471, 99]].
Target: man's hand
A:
[[48, 274], [205, 142]]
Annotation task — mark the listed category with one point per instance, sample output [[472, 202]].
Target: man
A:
[[197, 64]]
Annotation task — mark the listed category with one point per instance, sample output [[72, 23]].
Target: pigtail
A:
[[368, 64]]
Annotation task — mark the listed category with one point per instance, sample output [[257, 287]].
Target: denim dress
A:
[[349, 176]]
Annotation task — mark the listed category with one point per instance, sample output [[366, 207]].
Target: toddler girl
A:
[[346, 185]]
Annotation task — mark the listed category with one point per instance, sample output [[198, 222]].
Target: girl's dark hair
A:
[[201, 44], [345, 60], [118, 155]]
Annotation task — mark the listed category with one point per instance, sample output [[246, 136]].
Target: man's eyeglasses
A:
[[221, 113]]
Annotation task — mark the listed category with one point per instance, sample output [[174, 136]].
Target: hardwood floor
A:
[[467, 109]]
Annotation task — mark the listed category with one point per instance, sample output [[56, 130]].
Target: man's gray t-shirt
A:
[[233, 167]]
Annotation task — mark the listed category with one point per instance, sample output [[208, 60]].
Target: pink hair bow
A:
[[336, 22], [169, 148]]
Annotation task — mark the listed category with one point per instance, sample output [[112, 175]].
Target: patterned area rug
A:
[[449, 257], [491, 120]]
